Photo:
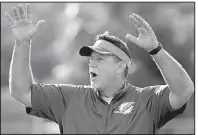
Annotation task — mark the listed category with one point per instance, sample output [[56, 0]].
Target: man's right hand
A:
[[22, 27]]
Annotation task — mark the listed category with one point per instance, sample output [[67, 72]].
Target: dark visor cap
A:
[[87, 50]]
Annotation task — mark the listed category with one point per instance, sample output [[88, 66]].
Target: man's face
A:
[[102, 70]]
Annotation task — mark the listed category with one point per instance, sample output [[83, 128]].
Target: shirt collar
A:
[[119, 94]]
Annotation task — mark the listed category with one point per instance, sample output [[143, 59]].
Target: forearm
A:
[[175, 76], [21, 76]]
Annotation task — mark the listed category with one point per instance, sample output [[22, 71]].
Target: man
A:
[[110, 104]]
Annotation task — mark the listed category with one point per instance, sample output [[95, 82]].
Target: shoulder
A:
[[135, 89], [74, 87], [155, 89], [149, 91], [68, 90]]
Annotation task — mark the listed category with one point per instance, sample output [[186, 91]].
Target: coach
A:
[[110, 104]]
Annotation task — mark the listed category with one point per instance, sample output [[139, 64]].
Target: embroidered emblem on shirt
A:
[[125, 108]]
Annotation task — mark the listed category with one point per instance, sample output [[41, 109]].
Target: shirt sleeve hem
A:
[[181, 109]]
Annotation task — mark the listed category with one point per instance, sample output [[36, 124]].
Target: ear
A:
[[121, 67]]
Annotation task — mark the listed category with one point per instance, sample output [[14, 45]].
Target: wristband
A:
[[156, 50]]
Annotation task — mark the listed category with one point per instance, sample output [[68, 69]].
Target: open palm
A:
[[22, 27], [147, 38]]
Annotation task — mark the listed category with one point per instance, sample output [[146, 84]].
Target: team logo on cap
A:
[[125, 108]]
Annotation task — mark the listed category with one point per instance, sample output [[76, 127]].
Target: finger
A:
[[10, 19], [21, 12], [142, 21], [15, 13], [131, 38], [147, 26], [137, 24], [138, 18], [39, 25], [29, 11]]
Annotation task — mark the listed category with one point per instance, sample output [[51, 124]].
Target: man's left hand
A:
[[147, 38]]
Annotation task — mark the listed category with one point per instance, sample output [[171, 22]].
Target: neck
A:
[[112, 89]]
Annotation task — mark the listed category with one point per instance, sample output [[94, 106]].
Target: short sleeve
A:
[[50, 101], [158, 101]]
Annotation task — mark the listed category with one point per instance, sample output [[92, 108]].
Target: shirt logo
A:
[[125, 108]]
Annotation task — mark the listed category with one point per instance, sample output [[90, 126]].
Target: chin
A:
[[96, 85]]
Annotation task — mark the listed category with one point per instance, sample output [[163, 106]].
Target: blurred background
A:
[[68, 26]]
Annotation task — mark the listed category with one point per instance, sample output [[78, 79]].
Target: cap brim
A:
[[87, 50]]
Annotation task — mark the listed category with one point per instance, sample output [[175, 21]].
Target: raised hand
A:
[[147, 38], [22, 27]]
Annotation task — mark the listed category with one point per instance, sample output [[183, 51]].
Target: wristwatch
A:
[[156, 50]]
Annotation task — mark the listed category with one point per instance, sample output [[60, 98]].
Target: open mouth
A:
[[93, 75]]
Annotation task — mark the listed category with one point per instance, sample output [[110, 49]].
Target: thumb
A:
[[39, 25], [131, 38]]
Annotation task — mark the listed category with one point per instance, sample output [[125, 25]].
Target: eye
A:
[[100, 59]]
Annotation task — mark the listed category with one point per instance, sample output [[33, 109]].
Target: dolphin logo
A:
[[125, 108]]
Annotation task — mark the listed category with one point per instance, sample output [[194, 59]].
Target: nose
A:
[[91, 65]]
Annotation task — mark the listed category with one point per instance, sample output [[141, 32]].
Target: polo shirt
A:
[[79, 109]]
